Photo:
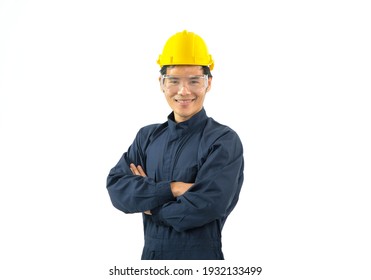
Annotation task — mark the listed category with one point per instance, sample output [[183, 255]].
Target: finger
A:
[[141, 171], [134, 169], [148, 212]]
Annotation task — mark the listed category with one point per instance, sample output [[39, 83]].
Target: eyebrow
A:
[[185, 76]]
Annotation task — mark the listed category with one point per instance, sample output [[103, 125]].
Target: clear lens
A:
[[175, 83]]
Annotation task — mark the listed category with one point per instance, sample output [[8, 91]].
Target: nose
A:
[[183, 90]]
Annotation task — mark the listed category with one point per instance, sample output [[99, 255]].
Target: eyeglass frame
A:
[[204, 76]]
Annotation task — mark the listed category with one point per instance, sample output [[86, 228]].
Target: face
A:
[[186, 94]]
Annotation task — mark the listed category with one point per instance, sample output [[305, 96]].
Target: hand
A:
[[137, 170], [179, 188]]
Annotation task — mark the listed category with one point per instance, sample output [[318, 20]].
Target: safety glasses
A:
[[175, 83]]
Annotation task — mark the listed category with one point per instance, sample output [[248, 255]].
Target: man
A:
[[184, 175]]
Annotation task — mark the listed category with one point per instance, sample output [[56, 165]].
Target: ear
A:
[[159, 80], [209, 84]]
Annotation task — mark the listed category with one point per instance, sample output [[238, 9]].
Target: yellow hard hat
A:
[[185, 48]]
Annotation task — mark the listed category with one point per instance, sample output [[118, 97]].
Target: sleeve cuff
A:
[[163, 192], [156, 215]]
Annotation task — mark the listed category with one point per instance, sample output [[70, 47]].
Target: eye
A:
[[195, 81], [173, 81]]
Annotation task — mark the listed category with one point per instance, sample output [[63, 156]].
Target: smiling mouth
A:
[[184, 101]]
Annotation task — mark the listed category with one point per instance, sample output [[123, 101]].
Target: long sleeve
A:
[[215, 192], [131, 193]]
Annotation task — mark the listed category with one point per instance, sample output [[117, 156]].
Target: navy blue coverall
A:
[[199, 151]]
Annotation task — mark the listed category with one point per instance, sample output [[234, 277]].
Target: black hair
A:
[[205, 69]]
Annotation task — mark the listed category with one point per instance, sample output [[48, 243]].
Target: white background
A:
[[79, 78]]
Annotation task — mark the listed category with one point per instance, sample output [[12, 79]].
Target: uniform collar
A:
[[193, 122]]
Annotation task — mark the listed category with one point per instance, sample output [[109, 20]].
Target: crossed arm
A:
[[177, 188]]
